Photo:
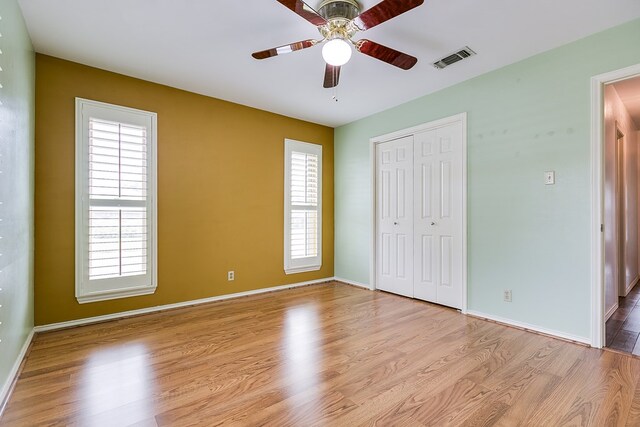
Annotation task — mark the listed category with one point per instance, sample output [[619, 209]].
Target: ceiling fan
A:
[[338, 21]]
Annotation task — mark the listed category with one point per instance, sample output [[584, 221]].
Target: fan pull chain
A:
[[335, 94]]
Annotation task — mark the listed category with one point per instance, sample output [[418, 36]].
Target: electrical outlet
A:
[[507, 295], [231, 275]]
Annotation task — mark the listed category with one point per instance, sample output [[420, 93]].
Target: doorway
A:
[[615, 218], [419, 197], [622, 322]]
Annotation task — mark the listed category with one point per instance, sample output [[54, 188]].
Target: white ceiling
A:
[[205, 46], [629, 92]]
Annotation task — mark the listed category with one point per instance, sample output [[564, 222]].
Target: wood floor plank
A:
[[609, 394], [322, 355], [515, 396], [633, 417]]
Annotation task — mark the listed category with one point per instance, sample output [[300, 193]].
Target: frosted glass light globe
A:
[[336, 52]]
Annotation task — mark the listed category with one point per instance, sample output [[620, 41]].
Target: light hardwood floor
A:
[[320, 355]]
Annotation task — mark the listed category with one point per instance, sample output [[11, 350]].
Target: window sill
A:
[[302, 269], [122, 293]]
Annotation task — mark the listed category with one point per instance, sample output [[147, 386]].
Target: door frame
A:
[[458, 118], [620, 219], [597, 197]]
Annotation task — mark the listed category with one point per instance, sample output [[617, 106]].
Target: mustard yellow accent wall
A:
[[220, 191]]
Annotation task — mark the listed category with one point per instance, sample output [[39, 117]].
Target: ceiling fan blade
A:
[[281, 50], [384, 11], [301, 8], [386, 54], [331, 76]]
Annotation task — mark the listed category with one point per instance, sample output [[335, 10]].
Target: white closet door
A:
[[438, 215], [394, 204]]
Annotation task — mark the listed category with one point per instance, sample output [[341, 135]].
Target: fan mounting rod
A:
[[339, 15]]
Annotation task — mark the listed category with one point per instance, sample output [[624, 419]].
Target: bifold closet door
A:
[[394, 216], [438, 192]]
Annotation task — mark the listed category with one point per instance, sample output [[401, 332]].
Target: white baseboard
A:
[[610, 312], [352, 282], [535, 328], [13, 373], [123, 314], [630, 286]]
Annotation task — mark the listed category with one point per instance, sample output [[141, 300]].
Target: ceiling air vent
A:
[[463, 53]]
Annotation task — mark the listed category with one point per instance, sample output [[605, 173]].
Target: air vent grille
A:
[[463, 53]]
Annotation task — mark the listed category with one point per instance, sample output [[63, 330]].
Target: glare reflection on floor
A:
[[117, 386], [301, 350]]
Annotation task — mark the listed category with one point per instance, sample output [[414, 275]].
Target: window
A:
[[302, 206], [115, 201]]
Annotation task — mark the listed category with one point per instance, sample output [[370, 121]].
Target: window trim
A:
[[82, 292], [310, 263]]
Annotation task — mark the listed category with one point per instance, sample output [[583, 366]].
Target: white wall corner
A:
[[7, 387], [353, 283], [610, 312]]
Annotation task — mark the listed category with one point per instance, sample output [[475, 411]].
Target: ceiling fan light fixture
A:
[[338, 21], [336, 52]]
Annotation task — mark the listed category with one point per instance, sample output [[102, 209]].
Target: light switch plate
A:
[[549, 178]]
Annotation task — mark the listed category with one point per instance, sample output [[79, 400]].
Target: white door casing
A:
[[394, 184], [597, 198]]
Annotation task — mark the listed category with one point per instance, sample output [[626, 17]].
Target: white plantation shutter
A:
[[303, 206], [117, 172], [115, 192]]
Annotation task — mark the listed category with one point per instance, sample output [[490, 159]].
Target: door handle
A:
[[433, 223], [395, 223]]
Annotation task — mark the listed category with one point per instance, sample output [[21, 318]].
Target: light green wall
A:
[[523, 119], [16, 187]]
